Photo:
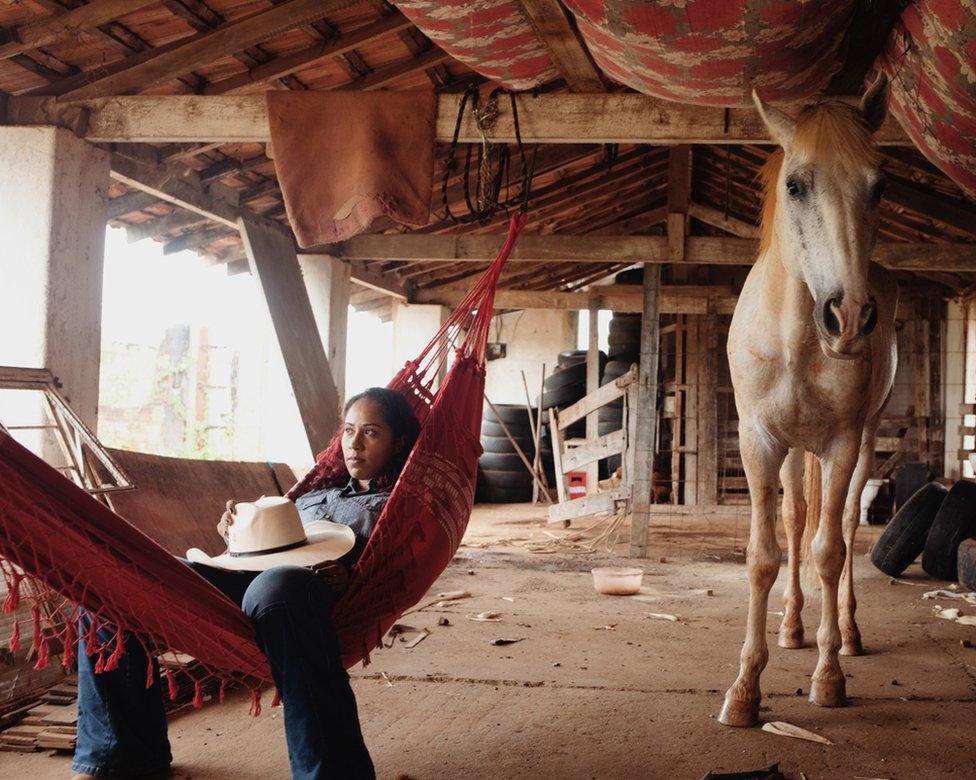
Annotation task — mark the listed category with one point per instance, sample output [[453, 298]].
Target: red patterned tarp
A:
[[492, 37], [930, 60], [715, 51]]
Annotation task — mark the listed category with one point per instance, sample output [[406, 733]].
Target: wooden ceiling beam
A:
[[711, 250], [718, 218], [259, 76], [547, 118], [168, 62], [54, 29], [557, 31]]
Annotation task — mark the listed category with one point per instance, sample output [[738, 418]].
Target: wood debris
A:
[[482, 617], [663, 616], [782, 729]]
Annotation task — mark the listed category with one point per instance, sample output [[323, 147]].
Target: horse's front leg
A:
[[794, 519], [761, 460], [849, 632], [829, 552]]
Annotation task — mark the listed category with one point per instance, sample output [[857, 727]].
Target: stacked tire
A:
[[502, 477], [567, 385], [936, 523], [624, 348]]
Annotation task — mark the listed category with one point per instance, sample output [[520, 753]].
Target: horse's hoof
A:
[[740, 713], [828, 693], [853, 647], [791, 638]]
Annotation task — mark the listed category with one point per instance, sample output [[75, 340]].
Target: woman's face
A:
[[368, 443]]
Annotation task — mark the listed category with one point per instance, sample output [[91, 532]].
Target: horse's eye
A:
[[877, 193], [795, 187]]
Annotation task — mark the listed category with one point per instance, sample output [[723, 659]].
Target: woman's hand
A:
[[226, 520], [334, 573]]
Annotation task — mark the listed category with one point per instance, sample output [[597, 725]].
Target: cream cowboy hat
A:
[[269, 532]]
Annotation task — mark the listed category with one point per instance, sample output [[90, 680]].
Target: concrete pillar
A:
[[414, 325], [327, 282], [53, 190]]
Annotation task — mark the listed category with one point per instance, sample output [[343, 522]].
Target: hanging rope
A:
[[492, 163]]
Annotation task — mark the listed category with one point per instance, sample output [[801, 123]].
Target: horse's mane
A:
[[828, 130]]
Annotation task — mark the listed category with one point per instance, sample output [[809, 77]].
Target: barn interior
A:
[[611, 430]]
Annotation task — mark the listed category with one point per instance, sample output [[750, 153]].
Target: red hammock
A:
[[60, 549]]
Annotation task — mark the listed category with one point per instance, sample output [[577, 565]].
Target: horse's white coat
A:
[[808, 379]]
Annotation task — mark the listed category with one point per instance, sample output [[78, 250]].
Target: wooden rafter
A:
[[557, 31], [53, 29]]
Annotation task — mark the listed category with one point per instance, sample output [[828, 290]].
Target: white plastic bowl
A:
[[617, 582]]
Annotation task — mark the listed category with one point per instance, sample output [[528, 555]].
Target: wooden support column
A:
[[53, 189], [592, 383], [708, 410], [679, 197], [274, 263], [953, 359], [920, 346], [645, 438], [327, 280], [692, 366]]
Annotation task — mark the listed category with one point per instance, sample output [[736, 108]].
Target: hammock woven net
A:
[[62, 550]]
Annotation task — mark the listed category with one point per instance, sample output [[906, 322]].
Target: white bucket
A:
[[867, 497]]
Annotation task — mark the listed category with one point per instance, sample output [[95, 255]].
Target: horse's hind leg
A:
[[761, 462], [849, 632], [794, 518]]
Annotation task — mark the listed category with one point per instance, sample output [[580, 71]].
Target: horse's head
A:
[[822, 195]]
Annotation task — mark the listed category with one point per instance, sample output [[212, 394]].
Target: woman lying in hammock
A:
[[122, 723]]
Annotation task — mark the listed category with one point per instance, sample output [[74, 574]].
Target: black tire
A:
[[501, 444], [503, 461], [624, 342], [627, 355], [510, 414], [626, 326], [495, 430], [490, 478], [571, 357], [908, 480], [505, 495], [904, 537], [610, 414], [630, 276], [955, 521], [571, 375], [615, 369], [605, 427], [966, 564], [562, 397]]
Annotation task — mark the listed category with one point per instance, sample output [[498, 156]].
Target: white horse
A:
[[812, 354]]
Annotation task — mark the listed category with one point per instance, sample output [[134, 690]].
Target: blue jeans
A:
[[122, 723]]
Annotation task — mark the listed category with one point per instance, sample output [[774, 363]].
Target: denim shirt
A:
[[358, 509]]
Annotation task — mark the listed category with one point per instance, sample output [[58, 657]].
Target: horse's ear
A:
[[874, 103], [781, 126]]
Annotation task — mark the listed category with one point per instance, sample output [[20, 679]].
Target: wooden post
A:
[[592, 383], [920, 345], [646, 412], [708, 410], [274, 263], [679, 196], [677, 423], [327, 281], [692, 366]]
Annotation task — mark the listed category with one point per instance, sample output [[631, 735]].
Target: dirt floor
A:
[[596, 688]]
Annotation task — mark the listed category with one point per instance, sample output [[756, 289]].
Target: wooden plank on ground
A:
[[274, 263], [595, 504]]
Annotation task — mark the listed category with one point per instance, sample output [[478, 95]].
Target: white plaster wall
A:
[[53, 190], [532, 337], [954, 378], [414, 325]]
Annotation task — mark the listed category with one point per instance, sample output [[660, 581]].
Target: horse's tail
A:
[[812, 493]]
